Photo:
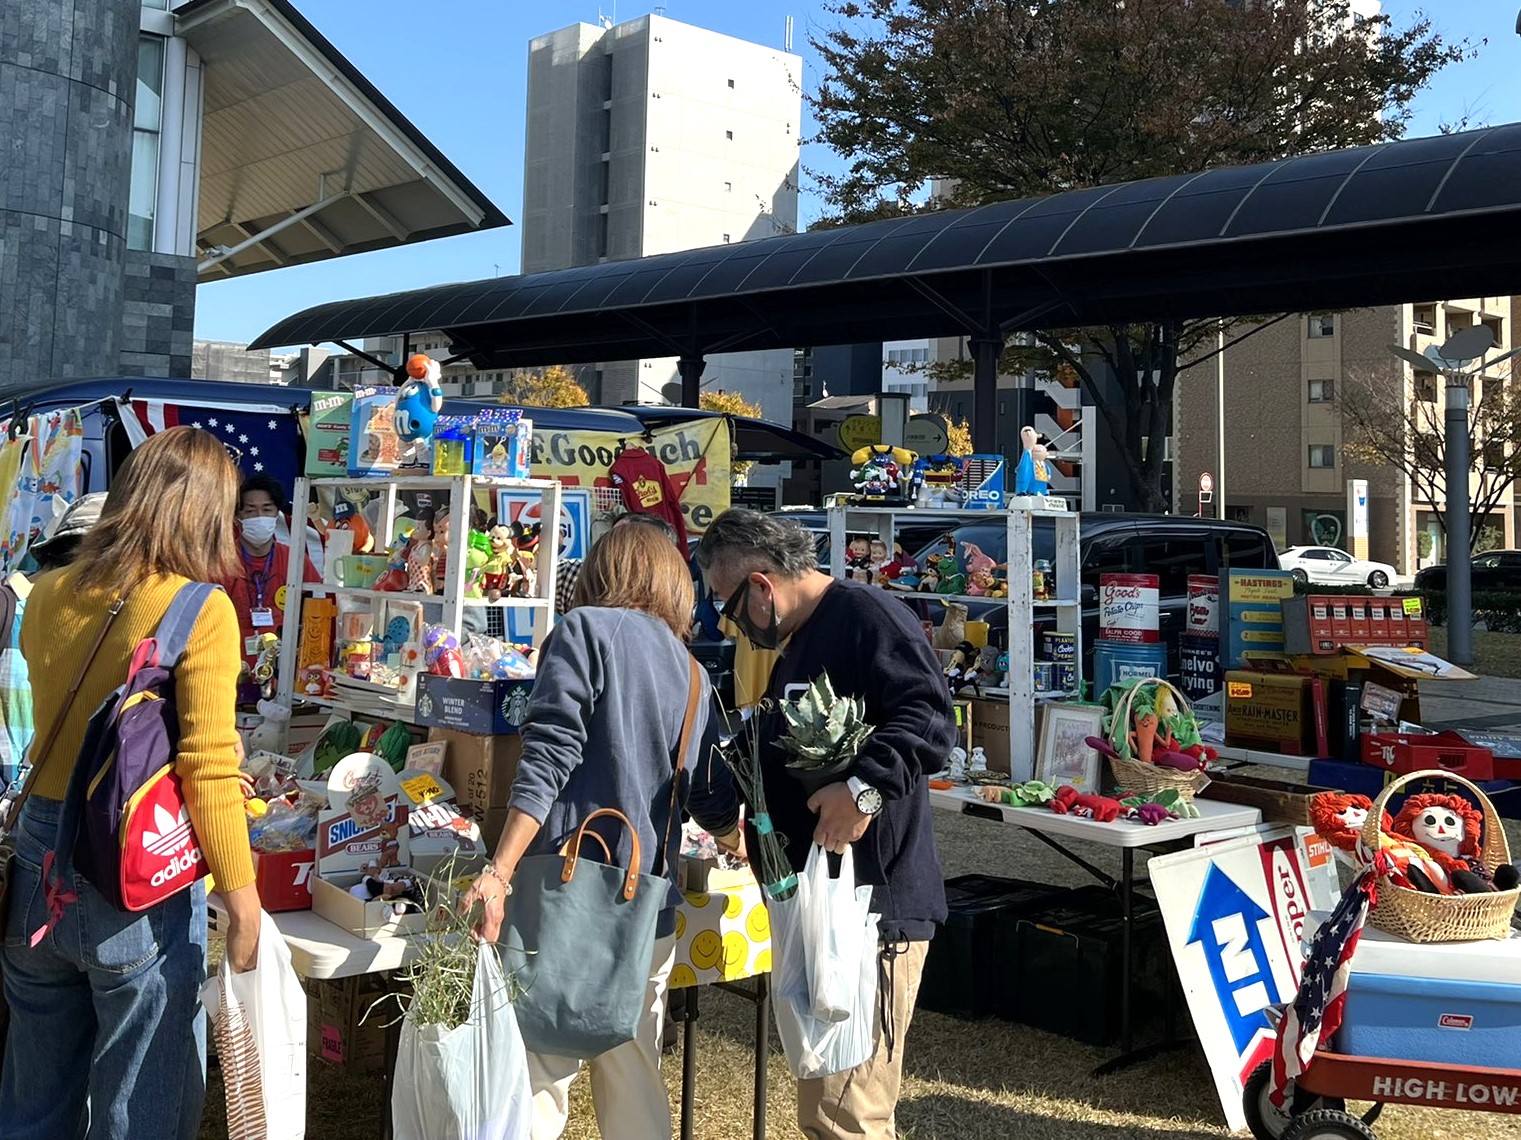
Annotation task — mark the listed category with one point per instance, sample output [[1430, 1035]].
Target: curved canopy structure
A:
[[1400, 221]]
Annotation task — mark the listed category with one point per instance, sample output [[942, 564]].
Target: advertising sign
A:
[[1235, 913], [1253, 607], [1128, 608], [575, 516]]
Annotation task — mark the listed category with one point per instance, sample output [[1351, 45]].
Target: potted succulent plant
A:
[[824, 733]]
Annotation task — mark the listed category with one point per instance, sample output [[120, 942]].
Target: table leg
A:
[[762, 1051], [688, 1060], [1127, 946], [388, 1074]]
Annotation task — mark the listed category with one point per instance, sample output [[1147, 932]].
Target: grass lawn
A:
[[963, 1080], [1497, 654]]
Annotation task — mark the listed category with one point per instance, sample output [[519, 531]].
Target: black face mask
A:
[[737, 610]]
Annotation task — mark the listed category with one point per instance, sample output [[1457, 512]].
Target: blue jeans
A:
[[107, 1038]]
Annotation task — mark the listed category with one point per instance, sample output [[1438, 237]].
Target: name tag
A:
[[262, 618]]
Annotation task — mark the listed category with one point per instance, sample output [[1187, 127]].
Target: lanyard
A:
[[262, 578]]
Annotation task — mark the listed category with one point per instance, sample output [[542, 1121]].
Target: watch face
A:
[[869, 801]]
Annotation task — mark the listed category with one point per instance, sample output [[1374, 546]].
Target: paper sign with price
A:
[[423, 789]]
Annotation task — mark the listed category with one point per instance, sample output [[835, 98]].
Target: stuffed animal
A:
[[1069, 801], [951, 631], [963, 668], [1338, 818], [1450, 830], [420, 399], [878, 562]]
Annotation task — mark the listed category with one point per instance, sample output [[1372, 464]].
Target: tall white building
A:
[[650, 137]]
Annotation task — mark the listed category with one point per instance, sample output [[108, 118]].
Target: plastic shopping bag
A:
[[469, 1082], [258, 1019], [815, 1046], [839, 927]]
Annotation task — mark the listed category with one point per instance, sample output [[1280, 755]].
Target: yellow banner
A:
[[695, 454]]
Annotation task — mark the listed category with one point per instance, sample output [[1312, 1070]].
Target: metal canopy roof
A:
[[288, 123], [1420, 218]]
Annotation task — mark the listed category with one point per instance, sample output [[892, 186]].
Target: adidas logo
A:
[[171, 834], [176, 867]]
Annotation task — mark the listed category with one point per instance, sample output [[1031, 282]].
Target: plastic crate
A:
[[963, 964], [1402, 753], [1061, 966]]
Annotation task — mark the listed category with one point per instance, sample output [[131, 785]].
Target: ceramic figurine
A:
[[1032, 475]]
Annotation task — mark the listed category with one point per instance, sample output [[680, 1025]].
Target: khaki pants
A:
[[627, 1090], [862, 1103]]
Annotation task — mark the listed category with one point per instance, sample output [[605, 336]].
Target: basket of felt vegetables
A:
[[1152, 740]]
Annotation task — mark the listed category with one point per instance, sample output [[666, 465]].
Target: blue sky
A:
[[457, 69]]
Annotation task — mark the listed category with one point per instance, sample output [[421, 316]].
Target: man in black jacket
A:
[[766, 571]]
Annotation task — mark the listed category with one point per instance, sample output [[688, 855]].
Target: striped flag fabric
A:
[[1316, 1011], [263, 439]]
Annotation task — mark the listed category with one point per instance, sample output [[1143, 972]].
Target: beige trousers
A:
[[627, 1090], [862, 1103]]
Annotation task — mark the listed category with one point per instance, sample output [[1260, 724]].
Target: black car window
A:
[[1245, 551], [1171, 557]]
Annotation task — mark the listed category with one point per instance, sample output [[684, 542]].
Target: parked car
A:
[[1494, 570], [1169, 546], [1327, 566]]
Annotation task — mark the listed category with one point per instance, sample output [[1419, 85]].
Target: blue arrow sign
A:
[[1226, 944]]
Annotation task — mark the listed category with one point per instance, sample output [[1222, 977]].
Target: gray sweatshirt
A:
[[601, 731]]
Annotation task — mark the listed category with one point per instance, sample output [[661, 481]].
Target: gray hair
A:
[[741, 542]]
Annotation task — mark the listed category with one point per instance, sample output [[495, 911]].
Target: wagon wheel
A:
[[1266, 1121], [1327, 1124]]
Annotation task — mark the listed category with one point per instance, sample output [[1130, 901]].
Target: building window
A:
[[1426, 387], [148, 116], [731, 85], [907, 355], [601, 235], [1322, 455], [1424, 319], [1323, 326], [1322, 391]]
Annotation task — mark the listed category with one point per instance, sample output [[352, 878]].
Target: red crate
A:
[[1400, 753], [284, 879]]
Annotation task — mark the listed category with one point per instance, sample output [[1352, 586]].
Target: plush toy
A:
[[964, 669], [441, 653], [1338, 818], [420, 399], [1031, 793], [951, 631], [900, 573], [1069, 801], [1450, 830], [495, 573], [1153, 809], [1032, 475], [271, 733], [1159, 730]]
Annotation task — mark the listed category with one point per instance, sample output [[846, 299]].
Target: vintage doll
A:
[[495, 574], [878, 562], [1450, 830], [858, 560], [1032, 475], [525, 575], [421, 559], [1338, 818]]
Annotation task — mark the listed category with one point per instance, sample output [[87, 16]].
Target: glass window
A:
[[148, 114], [1322, 326], [1322, 455], [147, 120], [1322, 391], [1245, 552]]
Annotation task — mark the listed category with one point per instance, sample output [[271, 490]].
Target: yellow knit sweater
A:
[[63, 617]]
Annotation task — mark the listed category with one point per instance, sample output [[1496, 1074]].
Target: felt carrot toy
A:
[[1145, 736]]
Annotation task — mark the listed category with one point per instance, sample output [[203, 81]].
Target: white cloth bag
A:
[[258, 1019], [835, 952], [469, 1082]]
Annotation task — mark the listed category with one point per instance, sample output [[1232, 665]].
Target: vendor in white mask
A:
[[258, 593]]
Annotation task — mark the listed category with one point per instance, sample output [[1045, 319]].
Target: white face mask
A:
[[259, 530]]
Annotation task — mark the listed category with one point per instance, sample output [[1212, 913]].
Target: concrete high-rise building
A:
[[650, 137], [154, 145], [1286, 460]]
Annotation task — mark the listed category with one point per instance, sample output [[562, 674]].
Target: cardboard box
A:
[[707, 875], [284, 879], [992, 720], [486, 708], [328, 431], [344, 845], [375, 918], [481, 770], [1269, 710], [344, 1025], [1278, 800]]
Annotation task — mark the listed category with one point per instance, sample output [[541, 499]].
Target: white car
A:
[[1327, 566]]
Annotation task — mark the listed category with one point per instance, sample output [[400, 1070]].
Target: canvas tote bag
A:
[[579, 935]]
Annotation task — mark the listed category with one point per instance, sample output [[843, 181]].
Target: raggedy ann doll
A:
[[1451, 830], [1338, 817]]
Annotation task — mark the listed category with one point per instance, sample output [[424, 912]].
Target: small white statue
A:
[[957, 770]]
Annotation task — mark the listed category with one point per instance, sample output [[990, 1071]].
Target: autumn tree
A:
[[958, 434], [731, 404], [1386, 424], [552, 387], [994, 101]]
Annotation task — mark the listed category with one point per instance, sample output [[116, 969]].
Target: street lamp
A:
[[1455, 360]]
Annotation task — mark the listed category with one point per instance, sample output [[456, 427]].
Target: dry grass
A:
[[963, 1080], [1496, 654]]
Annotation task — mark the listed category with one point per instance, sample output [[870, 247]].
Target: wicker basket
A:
[[1137, 778], [1423, 917]]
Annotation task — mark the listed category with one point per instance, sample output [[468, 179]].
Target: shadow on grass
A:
[[940, 1115]]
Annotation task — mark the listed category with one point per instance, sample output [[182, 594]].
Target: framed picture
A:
[[1064, 756]]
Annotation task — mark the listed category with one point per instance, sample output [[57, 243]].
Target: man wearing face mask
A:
[[258, 593], [763, 572]]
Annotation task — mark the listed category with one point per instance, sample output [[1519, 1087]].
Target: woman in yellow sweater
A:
[[105, 1017]]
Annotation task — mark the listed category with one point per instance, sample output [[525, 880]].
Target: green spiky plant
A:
[[823, 728]]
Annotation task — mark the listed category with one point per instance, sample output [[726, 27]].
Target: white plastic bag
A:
[[815, 1046], [469, 1082], [838, 927], [258, 1019]]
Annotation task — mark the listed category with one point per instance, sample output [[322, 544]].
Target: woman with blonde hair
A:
[[602, 731], [107, 1036]]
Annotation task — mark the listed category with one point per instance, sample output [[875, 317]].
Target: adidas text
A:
[[176, 867]]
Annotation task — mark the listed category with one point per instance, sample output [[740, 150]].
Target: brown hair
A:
[[638, 568], [170, 511]]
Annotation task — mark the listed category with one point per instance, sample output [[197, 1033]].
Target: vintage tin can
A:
[[1045, 676], [1066, 676]]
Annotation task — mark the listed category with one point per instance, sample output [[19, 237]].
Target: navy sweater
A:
[[872, 647], [601, 731]]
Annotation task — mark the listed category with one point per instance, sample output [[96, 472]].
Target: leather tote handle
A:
[[630, 875]]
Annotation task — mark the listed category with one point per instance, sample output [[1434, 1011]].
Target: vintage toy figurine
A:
[[858, 560], [1032, 475], [421, 559], [497, 570], [881, 474], [420, 399], [1450, 830]]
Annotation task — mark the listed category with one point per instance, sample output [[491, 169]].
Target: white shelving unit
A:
[[459, 490], [1066, 604]]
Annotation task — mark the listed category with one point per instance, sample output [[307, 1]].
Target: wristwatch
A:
[[868, 799]]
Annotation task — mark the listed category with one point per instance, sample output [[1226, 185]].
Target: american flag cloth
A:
[[263, 439], [1316, 1010]]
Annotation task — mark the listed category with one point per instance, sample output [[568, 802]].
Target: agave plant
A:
[[823, 728]]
